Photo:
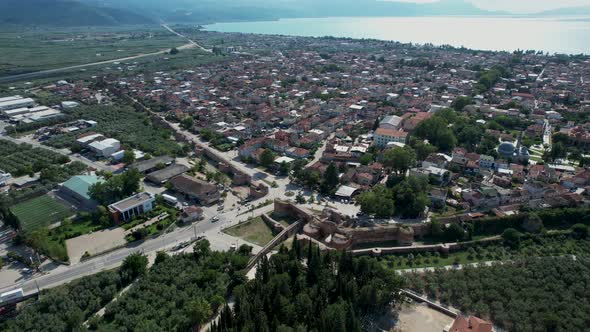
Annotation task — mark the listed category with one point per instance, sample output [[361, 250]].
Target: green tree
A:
[[187, 123], [285, 168], [511, 237], [399, 159], [454, 232], [266, 158], [532, 223], [128, 157], [460, 102], [421, 148], [330, 180], [410, 196], [436, 130], [378, 201], [116, 187], [201, 249], [366, 159], [580, 231], [199, 312], [134, 266]]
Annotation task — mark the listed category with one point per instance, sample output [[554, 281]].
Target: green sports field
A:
[[39, 212]]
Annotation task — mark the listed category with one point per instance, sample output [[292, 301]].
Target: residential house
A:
[[191, 214], [203, 192]]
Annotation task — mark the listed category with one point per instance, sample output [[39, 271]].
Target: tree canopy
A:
[[116, 187], [399, 159], [436, 130], [536, 294], [332, 292]]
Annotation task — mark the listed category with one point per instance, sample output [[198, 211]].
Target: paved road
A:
[[447, 267], [212, 231], [26, 76], [192, 42]]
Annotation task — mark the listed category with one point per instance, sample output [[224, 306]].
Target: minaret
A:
[[518, 142]]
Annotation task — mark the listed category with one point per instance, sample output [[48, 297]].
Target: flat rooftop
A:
[[131, 202], [145, 165]]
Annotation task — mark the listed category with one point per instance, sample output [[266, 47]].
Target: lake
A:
[[553, 35]]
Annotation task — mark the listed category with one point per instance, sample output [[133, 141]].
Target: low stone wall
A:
[[258, 190], [286, 209], [285, 234], [443, 248], [273, 224]]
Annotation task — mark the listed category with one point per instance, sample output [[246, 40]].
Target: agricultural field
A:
[[39, 212], [35, 50], [23, 159], [254, 231], [134, 129]]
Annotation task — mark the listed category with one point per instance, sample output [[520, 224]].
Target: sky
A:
[[521, 6]]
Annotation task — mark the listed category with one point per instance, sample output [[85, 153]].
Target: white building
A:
[[85, 140], [383, 136], [130, 207], [69, 104], [10, 103], [391, 122], [106, 147], [4, 177], [486, 162]]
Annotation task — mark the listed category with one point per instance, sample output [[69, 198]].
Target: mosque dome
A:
[[506, 149]]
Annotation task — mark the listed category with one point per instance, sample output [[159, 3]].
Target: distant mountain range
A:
[[129, 12], [65, 13]]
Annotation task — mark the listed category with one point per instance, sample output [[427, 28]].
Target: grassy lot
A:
[[285, 221], [39, 212], [254, 231], [35, 50]]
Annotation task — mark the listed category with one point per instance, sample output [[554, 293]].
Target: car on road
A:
[[181, 245], [220, 208], [215, 219], [233, 247]]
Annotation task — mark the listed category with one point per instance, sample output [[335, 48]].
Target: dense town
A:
[[376, 148]]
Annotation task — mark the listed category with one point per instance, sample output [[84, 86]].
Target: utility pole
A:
[[38, 290]]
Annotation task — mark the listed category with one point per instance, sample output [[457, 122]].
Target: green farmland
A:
[[39, 212], [35, 50]]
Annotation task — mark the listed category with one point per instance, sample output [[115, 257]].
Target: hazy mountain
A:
[[229, 10], [125, 12], [566, 11], [64, 13]]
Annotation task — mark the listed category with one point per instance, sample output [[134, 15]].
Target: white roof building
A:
[[286, 160], [16, 103], [345, 191], [88, 139], [105, 147]]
